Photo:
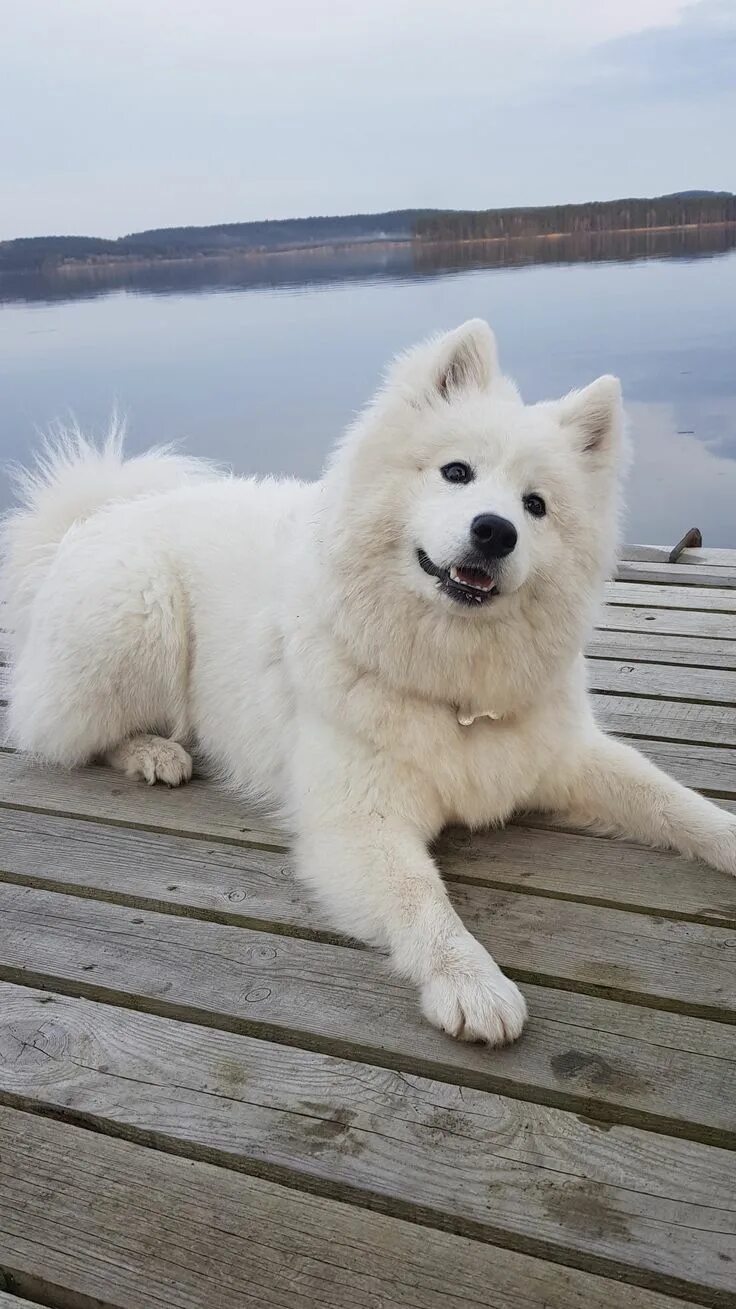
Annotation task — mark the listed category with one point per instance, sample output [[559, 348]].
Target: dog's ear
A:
[[465, 359], [593, 418], [447, 366]]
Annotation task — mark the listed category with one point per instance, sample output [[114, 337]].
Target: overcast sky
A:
[[117, 115]]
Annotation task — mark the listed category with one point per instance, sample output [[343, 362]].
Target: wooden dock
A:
[[208, 1100]]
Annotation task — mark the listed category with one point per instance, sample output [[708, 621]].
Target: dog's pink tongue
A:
[[474, 577]]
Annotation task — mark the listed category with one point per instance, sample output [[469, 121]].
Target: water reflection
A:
[[305, 269], [679, 481], [577, 248], [261, 363]]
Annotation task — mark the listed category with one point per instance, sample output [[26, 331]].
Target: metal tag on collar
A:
[[467, 719]]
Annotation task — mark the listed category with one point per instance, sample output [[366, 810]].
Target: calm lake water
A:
[[260, 363]]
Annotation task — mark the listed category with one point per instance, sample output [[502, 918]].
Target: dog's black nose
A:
[[495, 537]]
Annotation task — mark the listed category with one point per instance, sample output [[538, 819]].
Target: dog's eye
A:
[[457, 472], [534, 505]]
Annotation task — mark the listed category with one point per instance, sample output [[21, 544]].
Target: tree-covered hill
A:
[[223, 239], [683, 209]]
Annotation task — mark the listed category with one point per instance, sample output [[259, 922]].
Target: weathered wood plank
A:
[[595, 1055], [719, 556], [257, 887], [12, 1302], [671, 622], [671, 963], [230, 1240], [198, 809], [652, 647], [689, 573], [170, 869], [204, 810], [243, 884], [705, 555], [716, 685], [585, 867], [715, 599], [568, 943], [706, 768], [651, 1207], [649, 553], [680, 720], [156, 870]]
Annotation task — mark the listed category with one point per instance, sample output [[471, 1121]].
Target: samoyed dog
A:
[[375, 655]]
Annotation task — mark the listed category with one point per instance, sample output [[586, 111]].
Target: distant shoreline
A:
[[230, 256], [392, 233], [103, 262], [575, 236]]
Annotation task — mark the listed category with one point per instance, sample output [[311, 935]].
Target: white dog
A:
[[388, 650]]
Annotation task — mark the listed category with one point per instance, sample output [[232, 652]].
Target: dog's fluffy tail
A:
[[70, 479]]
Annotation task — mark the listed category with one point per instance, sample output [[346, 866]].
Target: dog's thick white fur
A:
[[322, 663]]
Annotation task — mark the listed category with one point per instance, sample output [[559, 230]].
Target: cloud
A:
[[695, 56], [141, 113]]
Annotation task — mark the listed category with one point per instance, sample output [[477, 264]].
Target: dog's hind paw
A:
[[153, 759], [471, 999]]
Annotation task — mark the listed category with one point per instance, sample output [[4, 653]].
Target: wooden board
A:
[[703, 555], [579, 866], [629, 617], [675, 720], [198, 809], [687, 574], [202, 810], [706, 768], [715, 685], [582, 1051], [623, 1202], [673, 964], [652, 647], [707, 598], [243, 884], [238, 1242]]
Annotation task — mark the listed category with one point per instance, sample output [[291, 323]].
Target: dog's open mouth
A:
[[467, 583]]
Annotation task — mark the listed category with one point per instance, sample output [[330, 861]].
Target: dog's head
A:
[[467, 496]]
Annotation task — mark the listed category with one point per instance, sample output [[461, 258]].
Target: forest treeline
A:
[[39, 252], [685, 209], [401, 225]]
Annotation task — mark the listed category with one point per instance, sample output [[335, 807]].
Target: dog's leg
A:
[[611, 786], [378, 882], [152, 758]]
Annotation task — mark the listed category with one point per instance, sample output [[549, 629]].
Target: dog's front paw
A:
[[470, 998]]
